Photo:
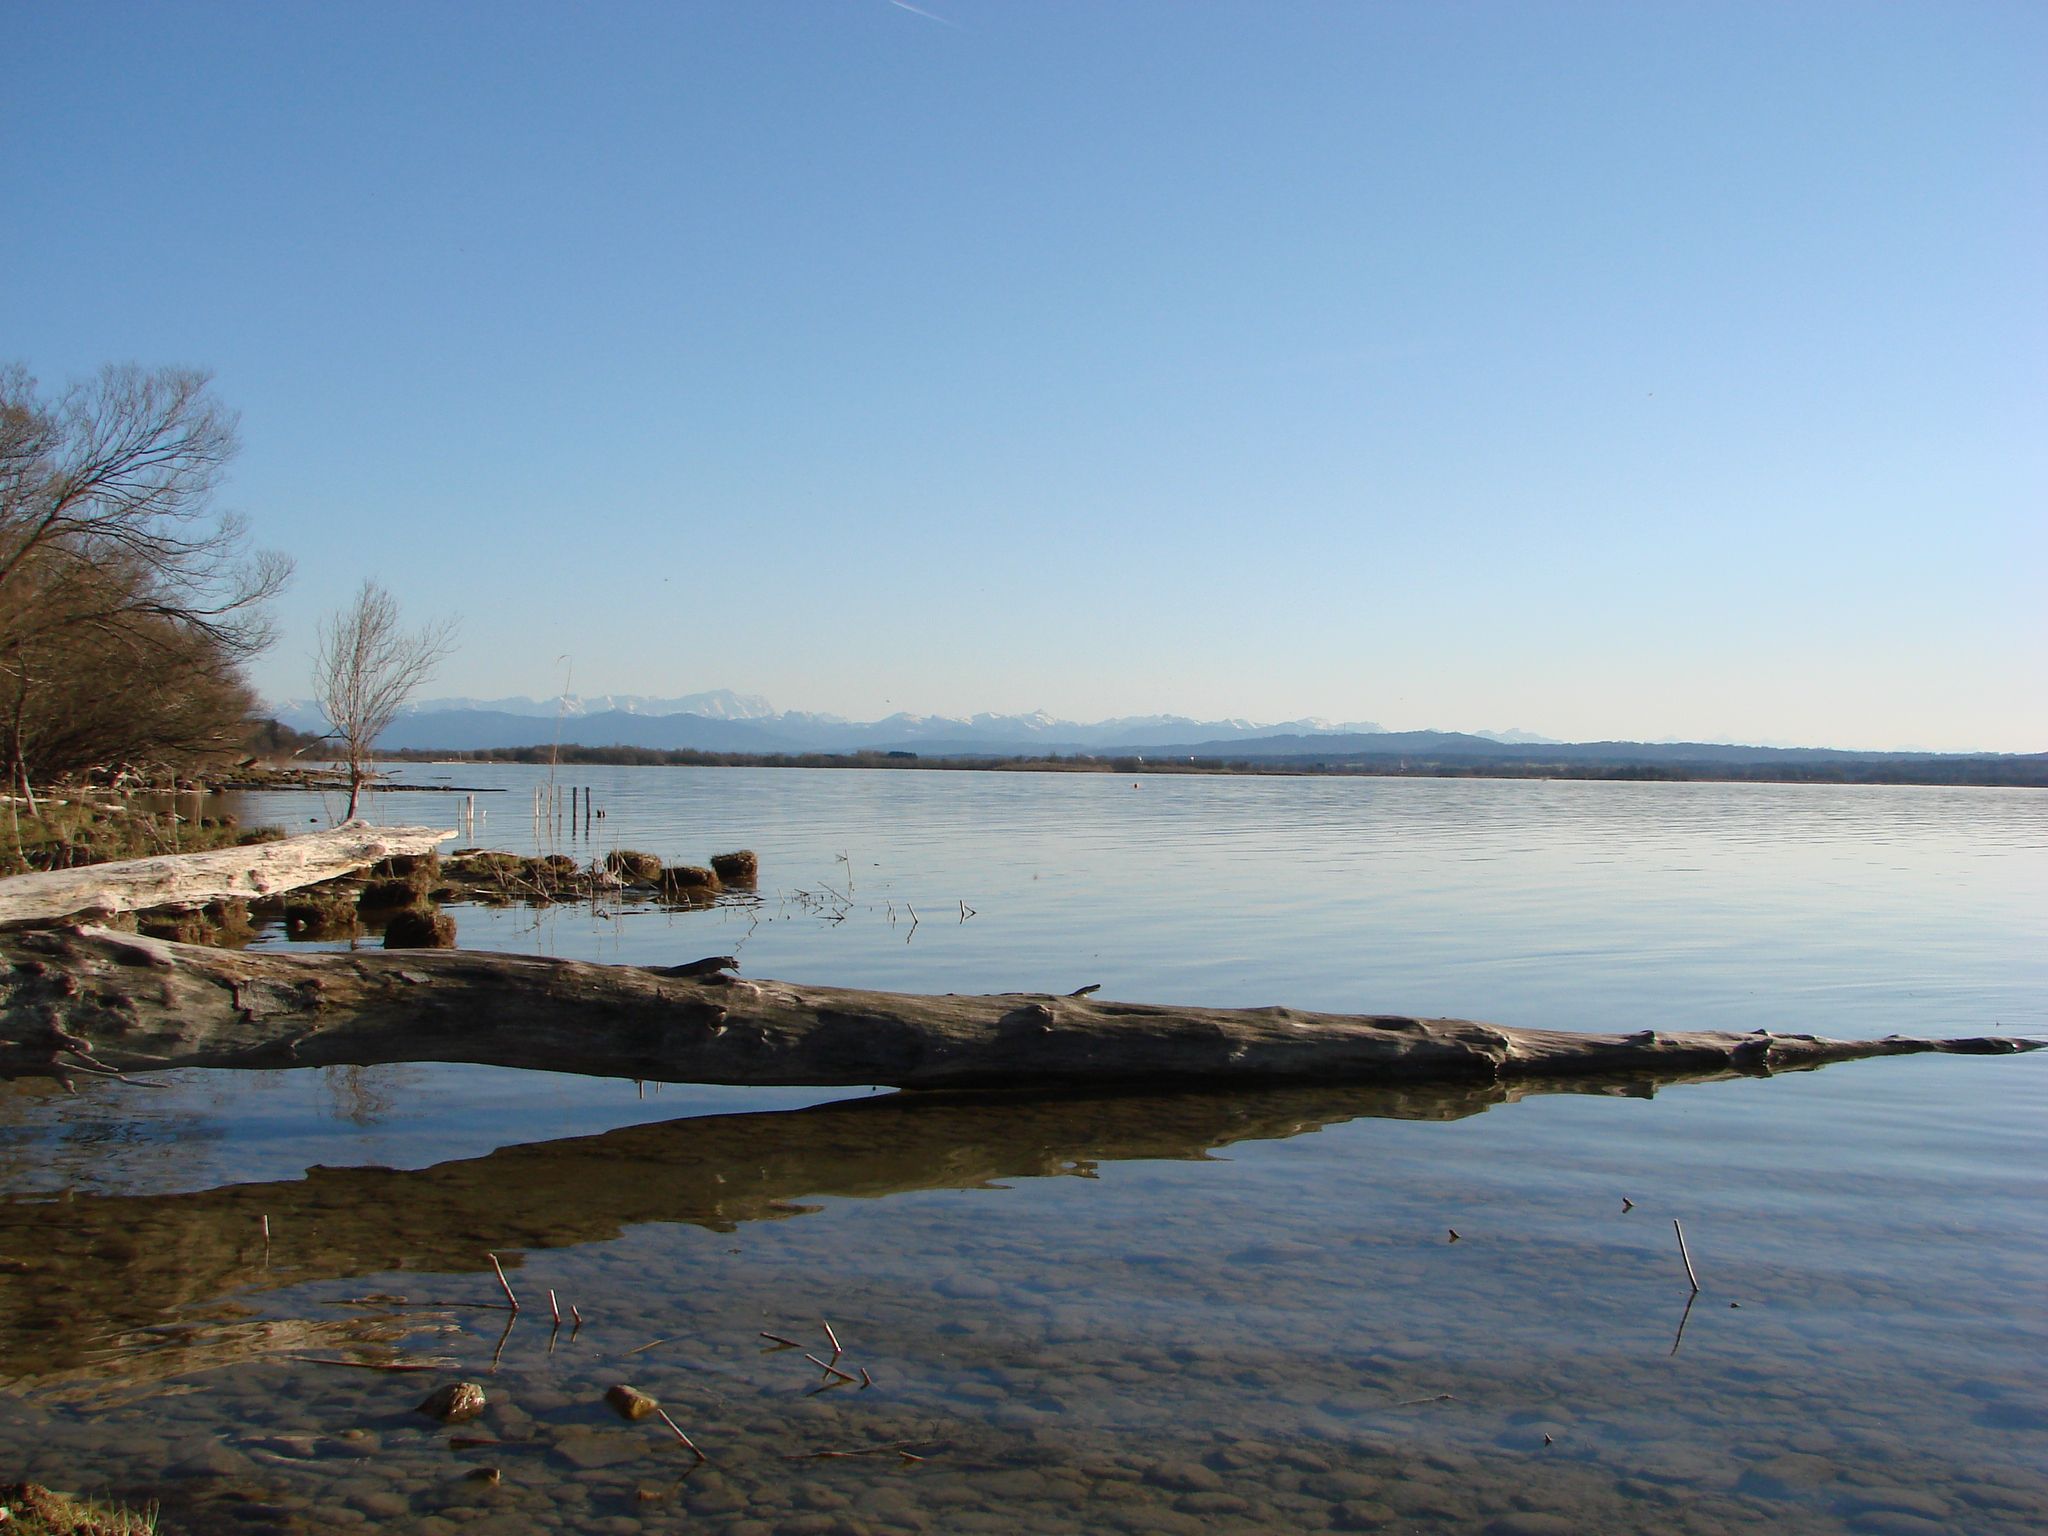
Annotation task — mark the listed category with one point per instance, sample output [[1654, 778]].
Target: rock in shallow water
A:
[[456, 1403]]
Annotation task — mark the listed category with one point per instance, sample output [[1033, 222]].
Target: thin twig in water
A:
[[830, 1369], [512, 1300], [1683, 1318], [900, 1446], [776, 1338], [642, 1349], [1441, 1397], [497, 1353], [1683, 1254], [836, 1350], [554, 1310], [672, 1424]]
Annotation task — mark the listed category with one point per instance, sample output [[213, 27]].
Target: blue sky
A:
[[1606, 370]]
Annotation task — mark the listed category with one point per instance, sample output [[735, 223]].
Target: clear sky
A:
[[1602, 369]]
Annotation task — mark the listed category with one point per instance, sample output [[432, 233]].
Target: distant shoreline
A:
[[1935, 770]]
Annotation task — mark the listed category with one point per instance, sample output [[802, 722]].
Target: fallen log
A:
[[192, 879], [87, 999]]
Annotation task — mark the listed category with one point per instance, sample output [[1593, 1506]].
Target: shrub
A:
[[320, 914], [738, 868], [689, 877], [421, 869], [384, 895], [420, 928], [630, 865]]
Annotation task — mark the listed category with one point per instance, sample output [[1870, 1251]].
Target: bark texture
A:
[[192, 879], [83, 999]]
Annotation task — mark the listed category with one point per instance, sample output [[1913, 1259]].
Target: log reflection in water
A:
[[86, 1276]]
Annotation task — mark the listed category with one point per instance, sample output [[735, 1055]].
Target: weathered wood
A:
[[191, 879], [89, 999]]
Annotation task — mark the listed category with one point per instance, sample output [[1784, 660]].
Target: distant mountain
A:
[[720, 720], [715, 704], [473, 730], [1452, 749], [723, 721]]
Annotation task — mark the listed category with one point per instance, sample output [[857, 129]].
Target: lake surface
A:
[[1175, 1312]]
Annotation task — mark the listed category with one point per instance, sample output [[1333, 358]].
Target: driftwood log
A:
[[193, 879], [85, 999]]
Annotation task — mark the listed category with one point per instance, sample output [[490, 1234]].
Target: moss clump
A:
[[421, 869], [402, 880], [689, 877], [221, 924], [420, 928], [484, 866], [388, 895], [737, 868], [321, 913], [628, 864]]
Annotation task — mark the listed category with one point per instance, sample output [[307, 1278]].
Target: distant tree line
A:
[[2028, 771], [128, 602]]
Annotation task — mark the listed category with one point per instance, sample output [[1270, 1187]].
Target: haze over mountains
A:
[[723, 721]]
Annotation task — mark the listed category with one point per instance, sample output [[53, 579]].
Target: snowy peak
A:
[[719, 719]]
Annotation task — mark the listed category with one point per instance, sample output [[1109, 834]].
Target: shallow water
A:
[[1234, 1312]]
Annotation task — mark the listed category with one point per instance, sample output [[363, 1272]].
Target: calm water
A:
[[1180, 1313]]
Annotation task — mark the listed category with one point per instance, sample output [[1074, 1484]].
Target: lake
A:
[[1168, 1312]]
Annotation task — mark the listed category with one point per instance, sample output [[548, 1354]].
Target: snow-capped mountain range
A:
[[720, 720]]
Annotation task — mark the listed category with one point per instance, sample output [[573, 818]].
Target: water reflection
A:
[[84, 1267], [1155, 1313]]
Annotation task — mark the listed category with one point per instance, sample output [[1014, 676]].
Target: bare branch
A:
[[367, 666], [119, 578]]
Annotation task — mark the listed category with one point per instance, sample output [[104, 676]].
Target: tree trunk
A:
[[84, 999], [189, 879]]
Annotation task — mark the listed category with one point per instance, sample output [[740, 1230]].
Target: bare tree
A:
[[112, 552], [366, 668]]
